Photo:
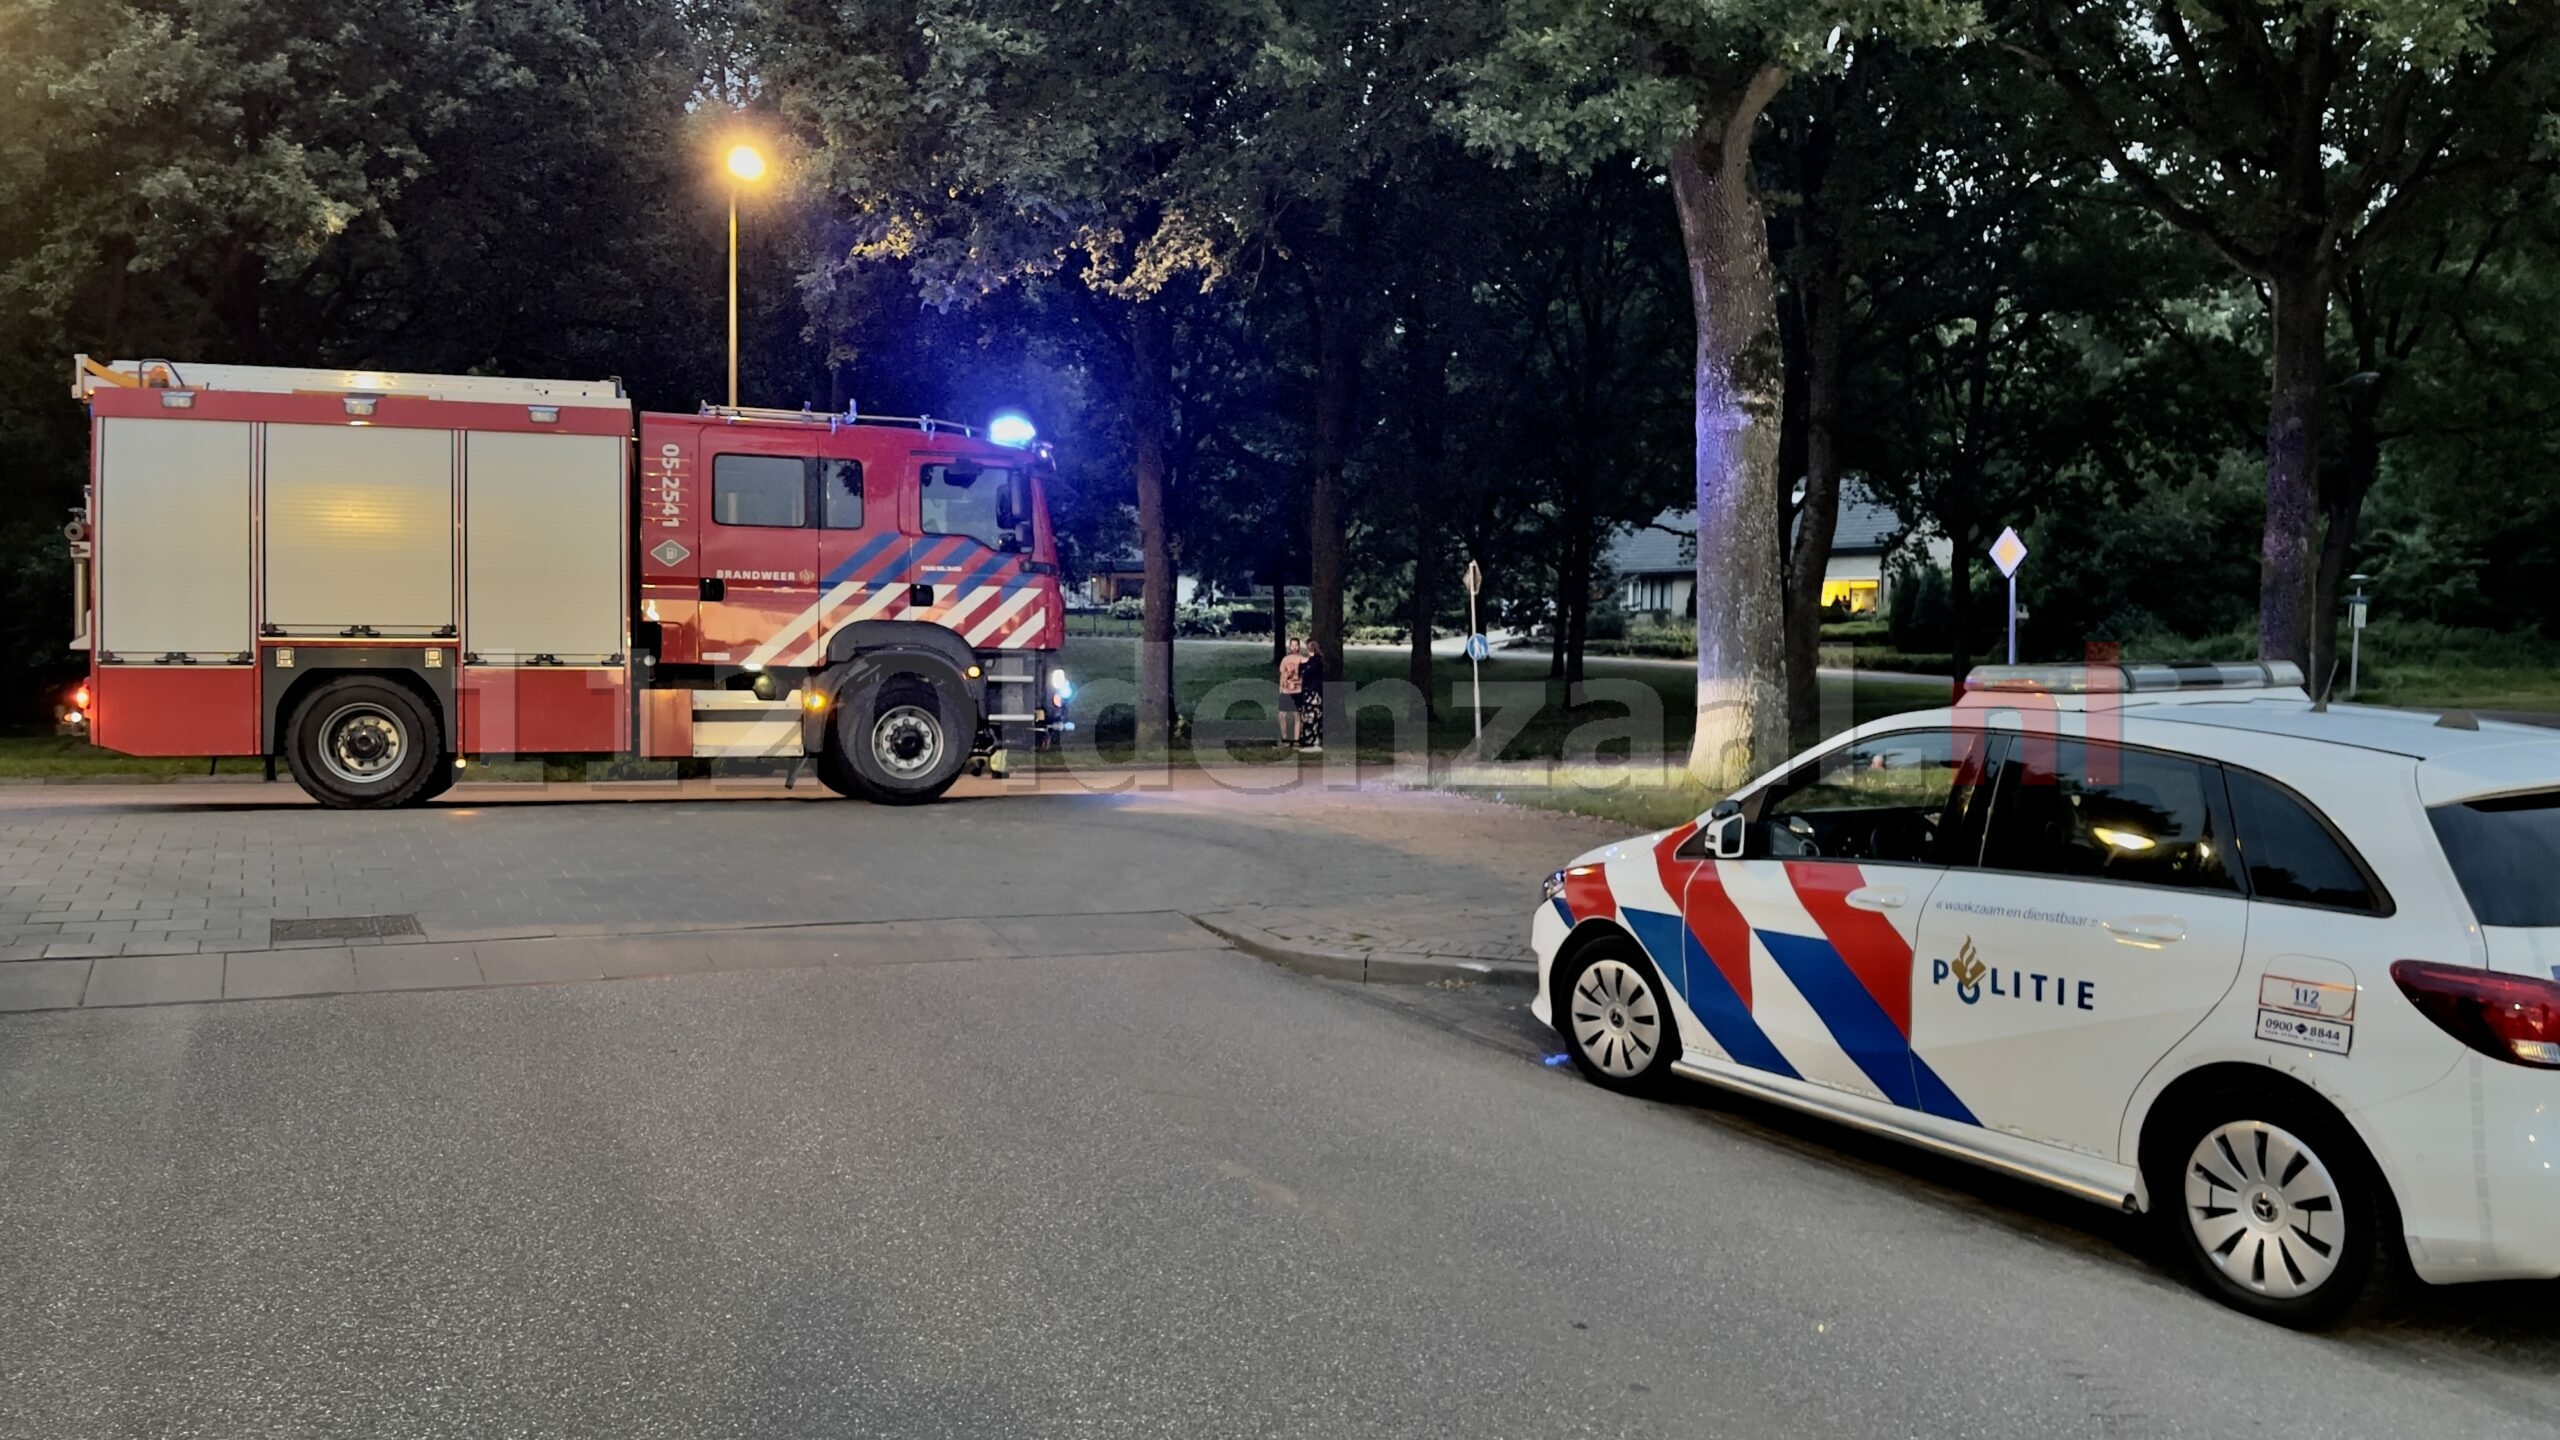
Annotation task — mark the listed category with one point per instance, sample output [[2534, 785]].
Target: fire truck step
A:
[[735, 725]]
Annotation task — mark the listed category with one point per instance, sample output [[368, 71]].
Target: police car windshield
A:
[[2505, 851]]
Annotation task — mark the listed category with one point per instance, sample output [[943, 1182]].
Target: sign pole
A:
[[2013, 618], [1475, 661]]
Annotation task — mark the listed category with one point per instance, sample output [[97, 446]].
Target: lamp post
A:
[[746, 166], [2358, 605]]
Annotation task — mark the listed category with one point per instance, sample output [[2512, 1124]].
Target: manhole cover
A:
[[344, 927]]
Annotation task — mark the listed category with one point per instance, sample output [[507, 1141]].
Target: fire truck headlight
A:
[[1059, 690]]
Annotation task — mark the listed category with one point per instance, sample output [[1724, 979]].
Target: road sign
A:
[[2008, 552], [1476, 648], [1475, 577]]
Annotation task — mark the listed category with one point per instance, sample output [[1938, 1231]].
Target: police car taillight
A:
[[2127, 679], [2515, 1018]]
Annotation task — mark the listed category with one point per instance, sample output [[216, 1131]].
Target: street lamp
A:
[[746, 166]]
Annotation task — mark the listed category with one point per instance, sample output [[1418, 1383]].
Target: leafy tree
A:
[[1684, 84], [980, 145], [2291, 137]]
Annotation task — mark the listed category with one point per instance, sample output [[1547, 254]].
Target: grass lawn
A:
[[1629, 709], [56, 756], [1617, 755]]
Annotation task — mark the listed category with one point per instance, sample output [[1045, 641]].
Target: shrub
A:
[[1666, 640], [1917, 619]]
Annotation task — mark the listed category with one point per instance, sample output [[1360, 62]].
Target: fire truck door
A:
[[861, 552], [759, 554]]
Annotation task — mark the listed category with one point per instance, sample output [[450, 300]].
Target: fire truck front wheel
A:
[[903, 747], [363, 742]]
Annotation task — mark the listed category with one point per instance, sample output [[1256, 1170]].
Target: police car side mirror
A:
[[1724, 830]]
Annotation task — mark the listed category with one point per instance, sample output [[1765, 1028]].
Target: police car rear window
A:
[[2292, 855], [2505, 852]]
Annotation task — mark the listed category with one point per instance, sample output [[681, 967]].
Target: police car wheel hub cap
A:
[[1615, 1019], [361, 744], [2265, 1209]]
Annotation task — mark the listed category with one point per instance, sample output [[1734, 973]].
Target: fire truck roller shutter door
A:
[[359, 530], [543, 518], [173, 572]]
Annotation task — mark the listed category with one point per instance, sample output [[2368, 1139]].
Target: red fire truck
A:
[[378, 575]]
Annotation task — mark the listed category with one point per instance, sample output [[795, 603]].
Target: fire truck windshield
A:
[[989, 504]]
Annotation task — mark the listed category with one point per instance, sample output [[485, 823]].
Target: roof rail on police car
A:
[[2125, 679]]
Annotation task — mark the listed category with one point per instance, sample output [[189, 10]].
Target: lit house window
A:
[[1859, 595]]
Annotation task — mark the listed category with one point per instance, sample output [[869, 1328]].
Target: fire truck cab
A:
[[373, 576]]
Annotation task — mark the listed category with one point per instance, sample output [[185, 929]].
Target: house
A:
[[1124, 577], [1656, 565]]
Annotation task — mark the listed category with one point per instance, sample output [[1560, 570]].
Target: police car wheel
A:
[[363, 742], [902, 747], [1615, 1018], [2278, 1210]]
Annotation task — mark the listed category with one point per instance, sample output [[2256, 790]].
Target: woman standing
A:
[[1311, 677]]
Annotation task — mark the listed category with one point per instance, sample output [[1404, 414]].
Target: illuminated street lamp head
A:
[[746, 162]]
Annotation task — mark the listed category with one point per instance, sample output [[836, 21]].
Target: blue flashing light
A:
[[1012, 428]]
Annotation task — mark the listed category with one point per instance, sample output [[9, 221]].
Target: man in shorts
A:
[[1292, 691]]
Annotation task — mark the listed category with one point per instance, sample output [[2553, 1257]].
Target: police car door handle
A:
[[1878, 897], [2147, 929]]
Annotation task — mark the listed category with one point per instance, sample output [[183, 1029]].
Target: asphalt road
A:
[[1173, 1193]]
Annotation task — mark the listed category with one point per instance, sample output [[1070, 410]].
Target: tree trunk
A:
[[2342, 493], [1425, 604], [1151, 421], [1826, 303], [1429, 399], [2299, 300], [1337, 372], [1741, 661], [1578, 613], [1560, 610], [1960, 595], [1279, 606]]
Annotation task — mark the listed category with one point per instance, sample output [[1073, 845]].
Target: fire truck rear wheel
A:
[[364, 743], [903, 749]]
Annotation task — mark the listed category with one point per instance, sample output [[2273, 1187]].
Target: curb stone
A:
[[1365, 967]]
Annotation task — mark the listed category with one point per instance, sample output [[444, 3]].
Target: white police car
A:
[[2169, 938]]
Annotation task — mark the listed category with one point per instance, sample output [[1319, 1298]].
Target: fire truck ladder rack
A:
[[833, 419], [89, 375]]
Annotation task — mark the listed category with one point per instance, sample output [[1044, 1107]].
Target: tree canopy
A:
[[1345, 293]]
